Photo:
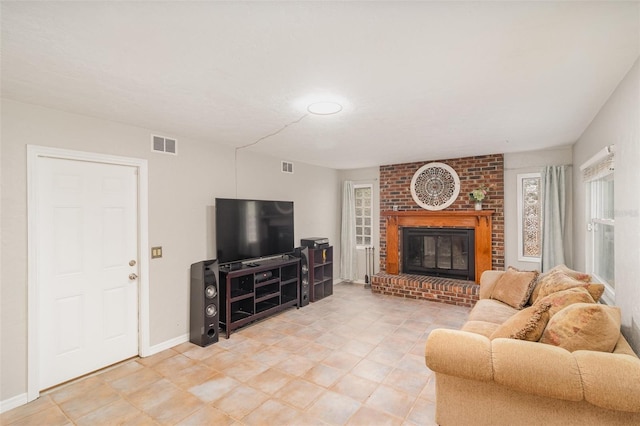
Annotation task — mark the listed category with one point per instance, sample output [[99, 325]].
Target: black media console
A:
[[254, 292]]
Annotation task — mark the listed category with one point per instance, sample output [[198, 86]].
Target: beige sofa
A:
[[505, 381]]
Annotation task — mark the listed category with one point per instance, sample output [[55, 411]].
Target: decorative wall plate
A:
[[435, 186]]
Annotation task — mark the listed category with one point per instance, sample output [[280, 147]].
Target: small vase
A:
[[478, 205]]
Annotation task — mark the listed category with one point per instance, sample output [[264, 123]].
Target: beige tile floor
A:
[[354, 358]]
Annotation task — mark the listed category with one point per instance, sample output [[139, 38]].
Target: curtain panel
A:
[[556, 216], [348, 267]]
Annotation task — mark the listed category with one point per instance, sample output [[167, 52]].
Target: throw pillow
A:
[[549, 276], [528, 324], [514, 287], [584, 326], [558, 281], [561, 299], [576, 275]]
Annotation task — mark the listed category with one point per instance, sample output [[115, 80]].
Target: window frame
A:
[[597, 170], [370, 236], [520, 206], [593, 222]]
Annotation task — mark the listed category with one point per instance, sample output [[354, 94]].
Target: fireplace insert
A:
[[439, 252]]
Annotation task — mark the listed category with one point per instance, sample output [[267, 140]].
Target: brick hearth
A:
[[444, 290]]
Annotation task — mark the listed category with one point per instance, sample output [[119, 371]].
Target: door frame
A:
[[34, 152]]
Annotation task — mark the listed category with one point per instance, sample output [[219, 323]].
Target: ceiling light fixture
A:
[[324, 108]]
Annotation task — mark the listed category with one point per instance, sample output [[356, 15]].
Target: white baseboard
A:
[[13, 402], [21, 399], [166, 345]]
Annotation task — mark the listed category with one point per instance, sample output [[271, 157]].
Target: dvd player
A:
[[314, 242]]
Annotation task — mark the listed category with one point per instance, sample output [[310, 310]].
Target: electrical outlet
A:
[[156, 252]]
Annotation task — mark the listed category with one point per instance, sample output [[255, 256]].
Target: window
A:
[[598, 174], [529, 217], [363, 198]]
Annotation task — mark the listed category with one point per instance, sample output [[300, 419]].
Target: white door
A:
[[87, 254]]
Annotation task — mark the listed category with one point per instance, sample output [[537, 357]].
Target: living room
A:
[[61, 91]]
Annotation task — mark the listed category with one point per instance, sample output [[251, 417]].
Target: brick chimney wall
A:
[[395, 190]]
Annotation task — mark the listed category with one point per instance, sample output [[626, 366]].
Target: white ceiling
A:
[[419, 80]]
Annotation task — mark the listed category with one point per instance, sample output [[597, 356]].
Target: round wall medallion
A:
[[435, 186]]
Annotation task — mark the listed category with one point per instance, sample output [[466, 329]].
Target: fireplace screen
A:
[[441, 252]]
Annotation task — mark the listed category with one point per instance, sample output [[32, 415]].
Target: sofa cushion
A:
[[490, 310], [561, 299], [527, 324], [514, 287], [480, 327], [559, 281], [549, 276], [584, 326], [623, 347]]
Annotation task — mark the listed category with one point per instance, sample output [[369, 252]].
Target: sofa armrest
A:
[[536, 368], [488, 280], [459, 353], [610, 380]]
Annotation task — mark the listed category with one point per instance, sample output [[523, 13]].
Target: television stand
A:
[[255, 292]]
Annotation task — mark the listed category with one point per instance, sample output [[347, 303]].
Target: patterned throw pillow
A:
[[584, 326], [561, 299], [576, 275], [552, 273], [514, 287], [558, 281], [528, 324]]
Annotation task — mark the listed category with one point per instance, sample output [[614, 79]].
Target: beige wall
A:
[[182, 190], [618, 122], [515, 164]]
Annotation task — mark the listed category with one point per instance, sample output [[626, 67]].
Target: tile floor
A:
[[353, 358]]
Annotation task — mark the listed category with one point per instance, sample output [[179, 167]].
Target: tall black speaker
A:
[[205, 312], [303, 254]]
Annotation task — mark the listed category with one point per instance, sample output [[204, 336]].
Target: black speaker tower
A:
[[303, 254], [205, 306]]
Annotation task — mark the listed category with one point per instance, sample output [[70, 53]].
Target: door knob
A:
[[132, 262], [132, 277]]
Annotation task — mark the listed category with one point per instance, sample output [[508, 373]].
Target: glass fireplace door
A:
[[439, 252]]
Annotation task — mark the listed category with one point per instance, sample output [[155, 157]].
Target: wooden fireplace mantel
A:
[[479, 220]]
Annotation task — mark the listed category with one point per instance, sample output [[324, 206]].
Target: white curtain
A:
[[348, 268], [556, 216]]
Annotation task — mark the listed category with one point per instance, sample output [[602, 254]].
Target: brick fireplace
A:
[[398, 210]]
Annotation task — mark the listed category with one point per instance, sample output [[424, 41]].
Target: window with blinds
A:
[[599, 179]]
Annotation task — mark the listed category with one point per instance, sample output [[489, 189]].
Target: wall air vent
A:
[[287, 167], [164, 145]]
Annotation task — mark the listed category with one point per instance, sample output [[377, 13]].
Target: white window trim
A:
[[609, 294], [604, 156], [521, 255], [370, 186]]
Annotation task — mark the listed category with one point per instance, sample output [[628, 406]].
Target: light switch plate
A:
[[156, 252]]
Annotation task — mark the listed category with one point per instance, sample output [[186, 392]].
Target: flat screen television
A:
[[252, 229]]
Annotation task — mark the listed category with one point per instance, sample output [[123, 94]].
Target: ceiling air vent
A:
[[164, 144], [287, 167]]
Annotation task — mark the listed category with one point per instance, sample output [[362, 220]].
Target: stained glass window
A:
[[529, 217]]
